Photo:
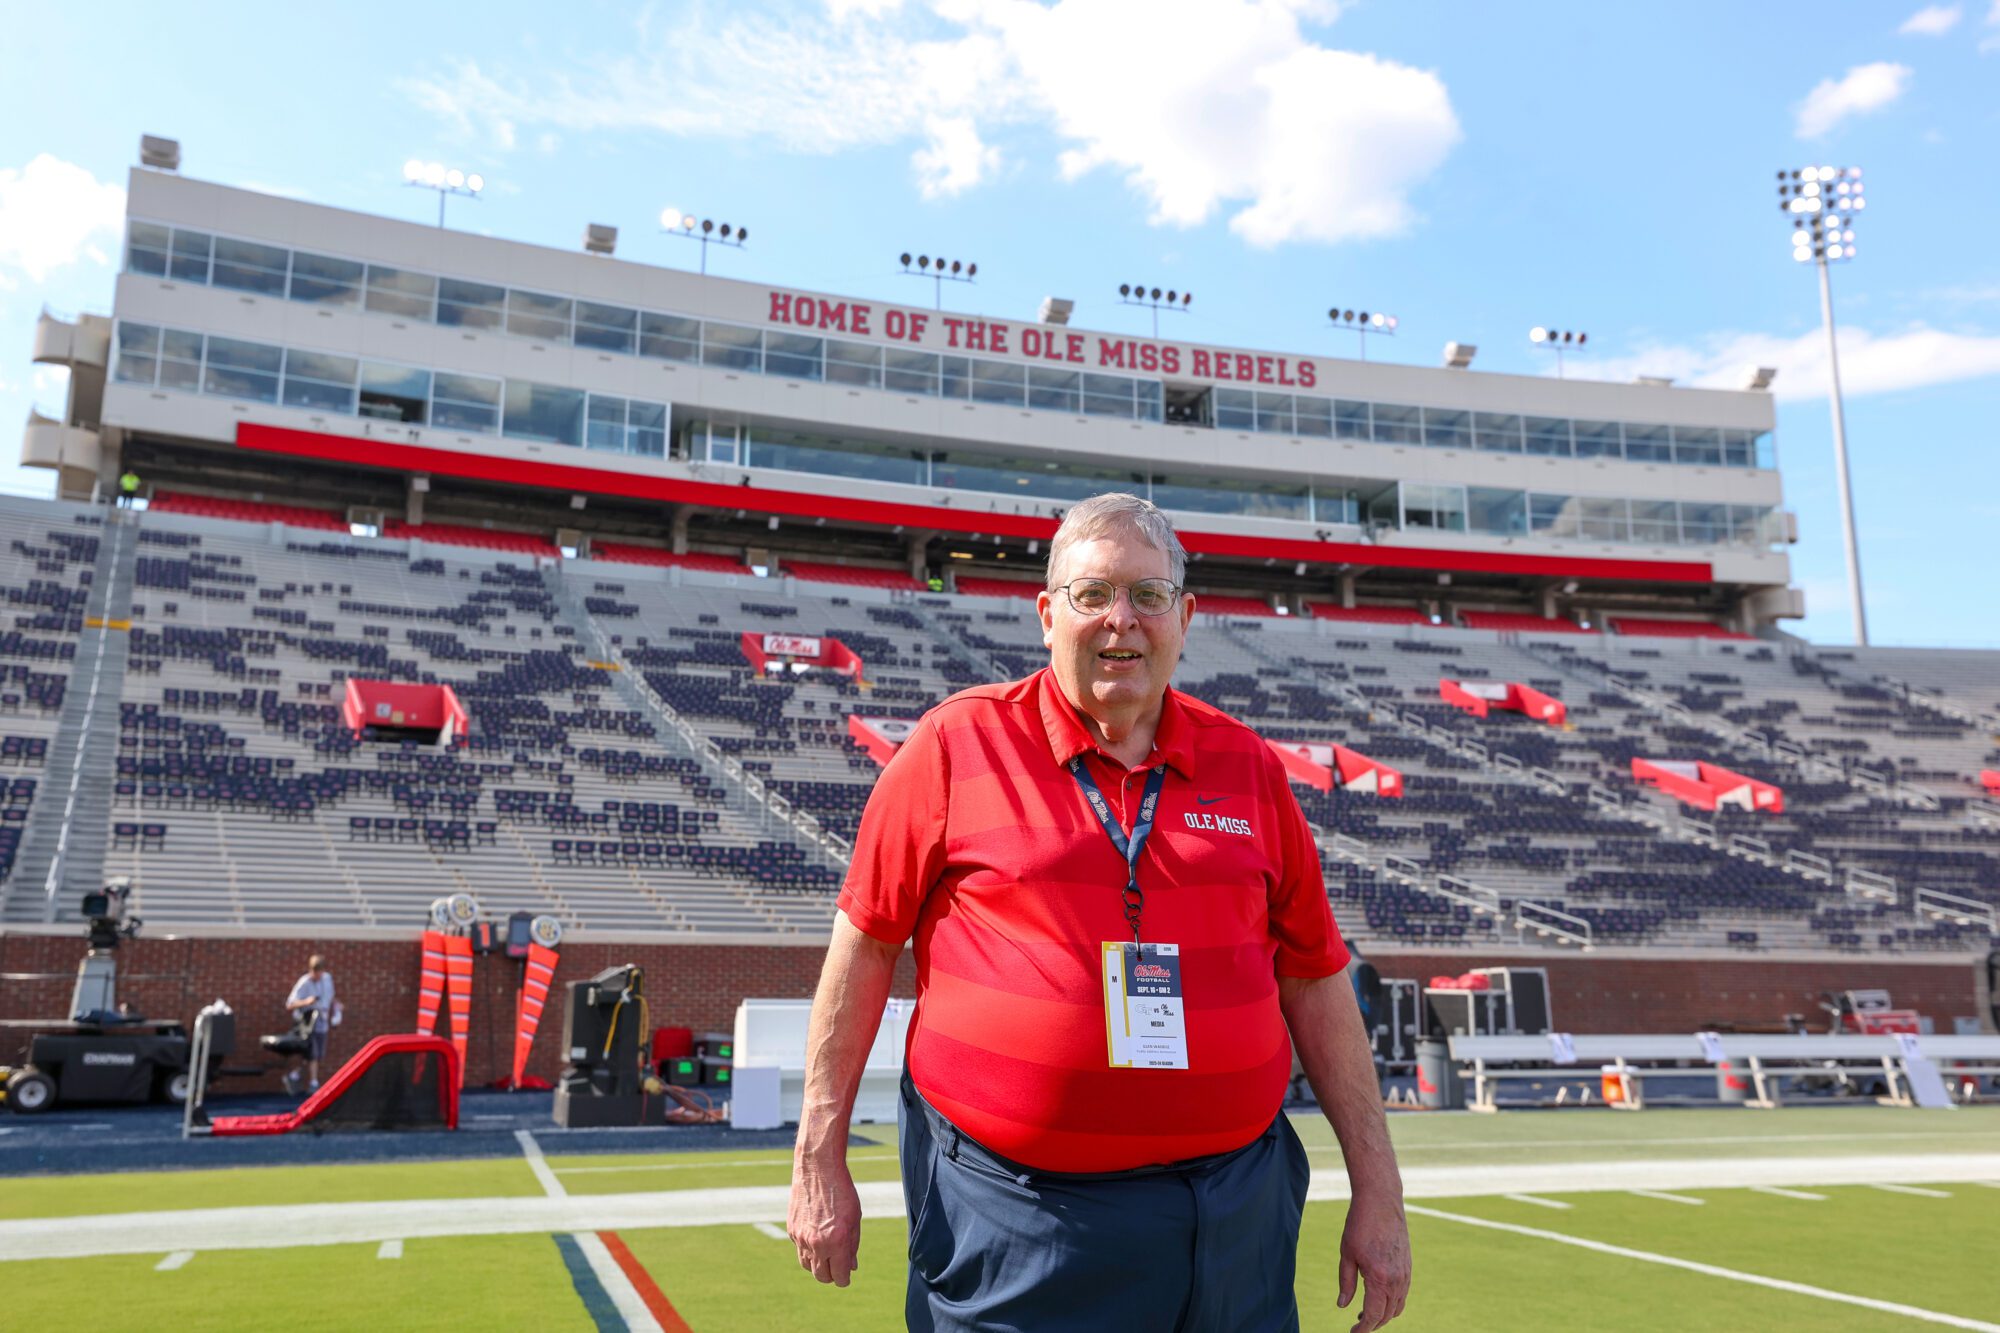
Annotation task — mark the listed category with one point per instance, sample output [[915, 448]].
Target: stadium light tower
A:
[[934, 269], [1137, 293], [1822, 202], [706, 230], [1558, 340], [1363, 323], [447, 181]]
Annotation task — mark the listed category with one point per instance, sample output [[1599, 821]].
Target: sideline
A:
[[288, 1225], [1712, 1270]]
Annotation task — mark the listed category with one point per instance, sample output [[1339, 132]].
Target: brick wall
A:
[[699, 985]]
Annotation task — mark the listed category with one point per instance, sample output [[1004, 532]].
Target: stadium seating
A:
[[1514, 622], [851, 575], [249, 511], [1370, 615], [1673, 629]]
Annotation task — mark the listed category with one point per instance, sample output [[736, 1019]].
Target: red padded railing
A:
[[1217, 604], [851, 576], [1519, 623], [248, 511], [625, 554], [1370, 615], [485, 539], [976, 587]]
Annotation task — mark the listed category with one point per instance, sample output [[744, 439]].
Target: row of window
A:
[[185, 255], [349, 386], [1479, 509]]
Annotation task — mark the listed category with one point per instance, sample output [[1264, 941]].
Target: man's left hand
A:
[[1375, 1246]]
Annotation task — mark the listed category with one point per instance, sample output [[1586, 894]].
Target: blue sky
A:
[[1473, 168]]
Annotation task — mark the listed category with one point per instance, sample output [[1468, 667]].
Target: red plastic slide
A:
[[398, 1082]]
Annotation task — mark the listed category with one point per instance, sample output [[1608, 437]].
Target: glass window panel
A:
[[246, 266], [1554, 515], [789, 451], [1274, 413], [999, 382], [1704, 524], [395, 291], [1152, 399], [471, 305], [1231, 495], [1350, 420], [1336, 506], [239, 369], [1446, 428], [1055, 390], [146, 248], [316, 380], [859, 364], [1747, 527], [1603, 520], [669, 337], [910, 372], [1767, 450], [1656, 522], [722, 444], [1648, 444], [732, 348], [1386, 507], [465, 402], [955, 376], [1492, 510], [1498, 431], [138, 353], [1314, 417], [533, 315], [394, 393], [1428, 506], [1547, 435], [1041, 479], [1739, 448], [1235, 409], [793, 355], [1599, 439], [324, 280], [1398, 425], [646, 429], [609, 328], [188, 260], [546, 412], [1698, 445], [180, 360], [1109, 396], [604, 426]]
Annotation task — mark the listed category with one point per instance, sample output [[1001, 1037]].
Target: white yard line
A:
[[785, 1162], [630, 1304], [279, 1226], [1712, 1270], [539, 1165], [1538, 1202], [1913, 1189], [1783, 1193], [178, 1259], [1666, 1197], [772, 1230]]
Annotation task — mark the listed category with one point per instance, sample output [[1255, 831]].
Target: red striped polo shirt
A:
[[978, 841]]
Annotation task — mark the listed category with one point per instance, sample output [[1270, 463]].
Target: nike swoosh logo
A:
[[1209, 800]]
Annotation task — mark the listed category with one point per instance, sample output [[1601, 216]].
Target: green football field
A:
[[1915, 1246]]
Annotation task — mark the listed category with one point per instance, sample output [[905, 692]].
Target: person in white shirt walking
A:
[[312, 997]]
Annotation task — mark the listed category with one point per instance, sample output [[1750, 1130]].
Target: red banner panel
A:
[[1708, 786], [1478, 697]]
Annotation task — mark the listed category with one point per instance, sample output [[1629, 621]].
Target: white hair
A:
[[1102, 515]]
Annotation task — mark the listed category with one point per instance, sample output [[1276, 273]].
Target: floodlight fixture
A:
[[1362, 323], [447, 181], [1823, 203], [708, 231], [939, 271], [1558, 341], [158, 153], [1154, 299]]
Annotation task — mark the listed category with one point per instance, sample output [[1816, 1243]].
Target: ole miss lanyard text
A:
[[1128, 847]]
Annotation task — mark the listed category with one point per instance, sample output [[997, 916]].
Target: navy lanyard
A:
[[1129, 848]]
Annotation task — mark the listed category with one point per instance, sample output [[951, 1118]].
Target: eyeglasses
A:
[[1093, 597]]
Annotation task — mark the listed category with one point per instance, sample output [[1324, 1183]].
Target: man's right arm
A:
[[825, 1217]]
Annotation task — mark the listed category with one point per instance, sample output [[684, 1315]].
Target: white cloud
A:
[[1870, 362], [1991, 43], [1206, 106], [1932, 21], [954, 160], [1862, 89], [53, 214]]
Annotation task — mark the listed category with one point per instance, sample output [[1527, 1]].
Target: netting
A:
[[401, 1090]]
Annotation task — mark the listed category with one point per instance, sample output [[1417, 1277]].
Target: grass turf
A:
[[361, 1182]]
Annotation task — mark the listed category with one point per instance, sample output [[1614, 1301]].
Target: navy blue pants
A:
[[1201, 1246]]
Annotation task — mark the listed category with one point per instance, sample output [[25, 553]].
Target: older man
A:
[[1121, 935]]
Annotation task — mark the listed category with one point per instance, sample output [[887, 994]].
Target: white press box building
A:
[[265, 350]]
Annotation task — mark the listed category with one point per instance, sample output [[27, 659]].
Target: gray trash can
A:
[[1438, 1085], [1732, 1082]]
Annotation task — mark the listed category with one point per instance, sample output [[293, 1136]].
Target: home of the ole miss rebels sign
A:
[[1050, 344]]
